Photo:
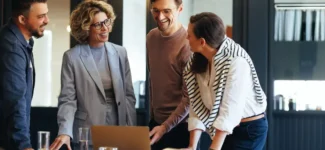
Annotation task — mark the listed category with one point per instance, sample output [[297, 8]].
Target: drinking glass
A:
[[83, 138], [43, 140]]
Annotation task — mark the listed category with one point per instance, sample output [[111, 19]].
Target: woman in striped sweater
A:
[[226, 99]]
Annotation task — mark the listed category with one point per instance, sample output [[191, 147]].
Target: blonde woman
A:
[[96, 85]]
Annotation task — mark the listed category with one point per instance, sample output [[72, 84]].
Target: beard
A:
[[35, 32]]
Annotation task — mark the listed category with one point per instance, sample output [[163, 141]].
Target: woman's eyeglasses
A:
[[99, 25]]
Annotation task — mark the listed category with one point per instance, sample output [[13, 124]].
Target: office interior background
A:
[[285, 39]]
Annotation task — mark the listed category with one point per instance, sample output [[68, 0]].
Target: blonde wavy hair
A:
[[82, 17]]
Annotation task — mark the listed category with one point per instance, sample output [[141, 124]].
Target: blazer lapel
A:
[[114, 65], [89, 63]]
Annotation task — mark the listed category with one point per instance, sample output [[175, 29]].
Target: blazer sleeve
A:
[[67, 105], [130, 98], [13, 89]]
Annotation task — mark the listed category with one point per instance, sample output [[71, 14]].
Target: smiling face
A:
[[99, 29], [36, 20], [165, 13]]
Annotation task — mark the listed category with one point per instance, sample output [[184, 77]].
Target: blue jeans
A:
[[248, 136]]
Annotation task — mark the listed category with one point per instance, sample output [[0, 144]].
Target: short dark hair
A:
[[22, 7], [177, 2], [209, 26]]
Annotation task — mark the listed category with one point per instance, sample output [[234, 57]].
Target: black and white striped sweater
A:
[[222, 60]]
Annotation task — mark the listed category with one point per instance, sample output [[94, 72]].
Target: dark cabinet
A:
[[296, 79]]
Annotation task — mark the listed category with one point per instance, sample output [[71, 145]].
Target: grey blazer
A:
[[82, 97]]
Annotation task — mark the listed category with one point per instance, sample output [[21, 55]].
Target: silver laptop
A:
[[122, 137]]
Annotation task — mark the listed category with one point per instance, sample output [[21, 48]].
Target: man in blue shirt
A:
[[17, 74]]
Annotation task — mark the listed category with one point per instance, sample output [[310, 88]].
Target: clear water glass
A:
[[83, 138], [43, 140]]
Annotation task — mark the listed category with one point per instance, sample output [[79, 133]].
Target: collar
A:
[[14, 28]]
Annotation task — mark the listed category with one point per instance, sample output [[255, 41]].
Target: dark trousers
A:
[[248, 136], [76, 146], [178, 137]]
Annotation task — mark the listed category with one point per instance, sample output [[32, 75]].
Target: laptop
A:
[[122, 137]]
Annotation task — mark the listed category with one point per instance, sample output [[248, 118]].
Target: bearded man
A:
[[17, 74]]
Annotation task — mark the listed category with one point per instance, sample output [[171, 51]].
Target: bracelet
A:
[[211, 149]]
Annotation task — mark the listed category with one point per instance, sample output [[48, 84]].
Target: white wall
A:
[[223, 8], [134, 36], [187, 12], [134, 40], [43, 59], [59, 12]]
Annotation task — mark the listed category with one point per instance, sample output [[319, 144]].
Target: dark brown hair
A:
[[209, 26], [177, 2], [22, 7]]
